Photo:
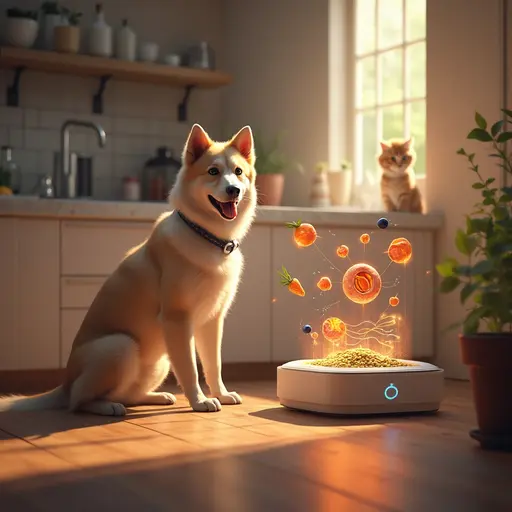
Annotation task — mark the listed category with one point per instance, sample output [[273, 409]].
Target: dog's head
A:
[[216, 184]]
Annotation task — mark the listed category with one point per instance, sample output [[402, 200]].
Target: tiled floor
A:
[[250, 458]]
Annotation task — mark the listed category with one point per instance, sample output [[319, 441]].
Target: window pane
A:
[[392, 122], [391, 69], [365, 26], [416, 69], [390, 22], [416, 19], [366, 94], [368, 143], [418, 117]]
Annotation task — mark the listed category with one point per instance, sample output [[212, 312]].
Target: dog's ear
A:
[[243, 142], [197, 144]]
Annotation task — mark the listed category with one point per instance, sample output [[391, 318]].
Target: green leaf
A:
[[477, 225], [465, 244], [488, 181], [507, 190], [478, 186], [481, 135], [496, 127], [507, 112], [462, 270], [472, 321], [448, 284], [480, 121], [504, 136], [482, 267], [487, 201], [461, 151], [466, 292], [445, 269], [505, 198], [455, 325], [500, 212]]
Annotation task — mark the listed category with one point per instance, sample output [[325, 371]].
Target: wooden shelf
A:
[[21, 59]]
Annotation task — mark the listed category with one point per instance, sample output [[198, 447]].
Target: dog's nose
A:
[[232, 191]]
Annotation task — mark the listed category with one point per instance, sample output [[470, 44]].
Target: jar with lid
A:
[[158, 175], [10, 173], [131, 188]]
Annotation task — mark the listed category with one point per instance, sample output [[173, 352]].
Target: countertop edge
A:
[[65, 209]]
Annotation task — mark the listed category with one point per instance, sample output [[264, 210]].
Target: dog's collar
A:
[[227, 246]]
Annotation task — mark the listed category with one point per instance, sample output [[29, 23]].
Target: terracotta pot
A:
[[66, 39], [270, 189], [489, 357]]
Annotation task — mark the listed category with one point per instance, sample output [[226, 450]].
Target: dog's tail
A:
[[54, 399]]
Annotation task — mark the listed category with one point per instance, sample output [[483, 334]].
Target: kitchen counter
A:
[[33, 207]]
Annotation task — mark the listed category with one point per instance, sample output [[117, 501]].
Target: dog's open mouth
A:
[[228, 210]]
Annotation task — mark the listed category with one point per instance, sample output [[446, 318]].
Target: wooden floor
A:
[[254, 457]]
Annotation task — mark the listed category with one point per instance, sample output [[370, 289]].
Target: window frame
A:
[[354, 111]]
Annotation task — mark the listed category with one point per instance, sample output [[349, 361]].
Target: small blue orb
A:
[[307, 329], [383, 223]]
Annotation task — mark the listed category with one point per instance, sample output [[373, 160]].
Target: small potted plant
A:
[[484, 277], [67, 36], [21, 27], [52, 16], [271, 164], [340, 184]]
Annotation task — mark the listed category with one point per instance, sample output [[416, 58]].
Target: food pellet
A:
[[358, 358]]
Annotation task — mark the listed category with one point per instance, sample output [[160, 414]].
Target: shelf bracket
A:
[[183, 106], [97, 99], [13, 91]]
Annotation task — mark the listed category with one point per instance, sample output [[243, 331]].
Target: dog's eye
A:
[[238, 171], [213, 171]]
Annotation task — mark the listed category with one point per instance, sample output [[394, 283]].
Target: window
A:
[[390, 78]]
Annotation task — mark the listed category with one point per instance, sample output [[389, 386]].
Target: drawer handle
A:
[[86, 282]]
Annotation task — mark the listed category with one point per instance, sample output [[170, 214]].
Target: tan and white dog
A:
[[169, 296]]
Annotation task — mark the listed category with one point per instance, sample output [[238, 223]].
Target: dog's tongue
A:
[[229, 209]]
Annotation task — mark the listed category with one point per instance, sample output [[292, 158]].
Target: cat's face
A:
[[396, 157]]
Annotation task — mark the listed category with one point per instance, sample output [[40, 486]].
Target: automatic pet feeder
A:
[[359, 381]]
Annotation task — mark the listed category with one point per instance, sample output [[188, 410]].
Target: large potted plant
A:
[[484, 277], [271, 164]]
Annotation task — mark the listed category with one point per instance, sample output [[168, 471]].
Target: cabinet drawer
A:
[[96, 247], [70, 322], [79, 292]]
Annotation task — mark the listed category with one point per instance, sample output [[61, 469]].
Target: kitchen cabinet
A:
[[413, 284], [29, 316]]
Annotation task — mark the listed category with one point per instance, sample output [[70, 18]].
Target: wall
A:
[[278, 51], [464, 73], [138, 117]]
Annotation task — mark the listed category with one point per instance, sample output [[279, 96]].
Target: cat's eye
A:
[[393, 158], [213, 171], [238, 171], [404, 158]]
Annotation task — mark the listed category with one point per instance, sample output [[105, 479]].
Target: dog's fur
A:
[[168, 296]]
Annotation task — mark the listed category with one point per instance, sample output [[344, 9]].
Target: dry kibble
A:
[[358, 358]]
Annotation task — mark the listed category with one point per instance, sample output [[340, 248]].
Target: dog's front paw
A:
[[229, 398], [206, 405]]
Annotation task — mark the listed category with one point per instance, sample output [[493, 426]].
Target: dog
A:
[[169, 296]]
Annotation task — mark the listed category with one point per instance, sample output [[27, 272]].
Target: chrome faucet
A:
[[62, 167]]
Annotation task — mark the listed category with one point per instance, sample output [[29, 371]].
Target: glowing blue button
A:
[[391, 392]]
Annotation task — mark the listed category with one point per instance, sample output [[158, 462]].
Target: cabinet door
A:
[[247, 334], [95, 248], [413, 284], [29, 255], [70, 322]]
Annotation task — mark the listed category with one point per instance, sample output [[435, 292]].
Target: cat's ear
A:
[[197, 144], [408, 143], [384, 146]]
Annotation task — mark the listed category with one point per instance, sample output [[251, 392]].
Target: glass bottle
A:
[[10, 175], [158, 175]]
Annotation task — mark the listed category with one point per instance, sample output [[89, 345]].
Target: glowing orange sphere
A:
[[364, 238], [400, 250], [362, 283], [333, 329], [394, 301], [342, 251], [324, 284], [314, 335]]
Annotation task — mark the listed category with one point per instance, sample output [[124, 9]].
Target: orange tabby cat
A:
[[398, 182]]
